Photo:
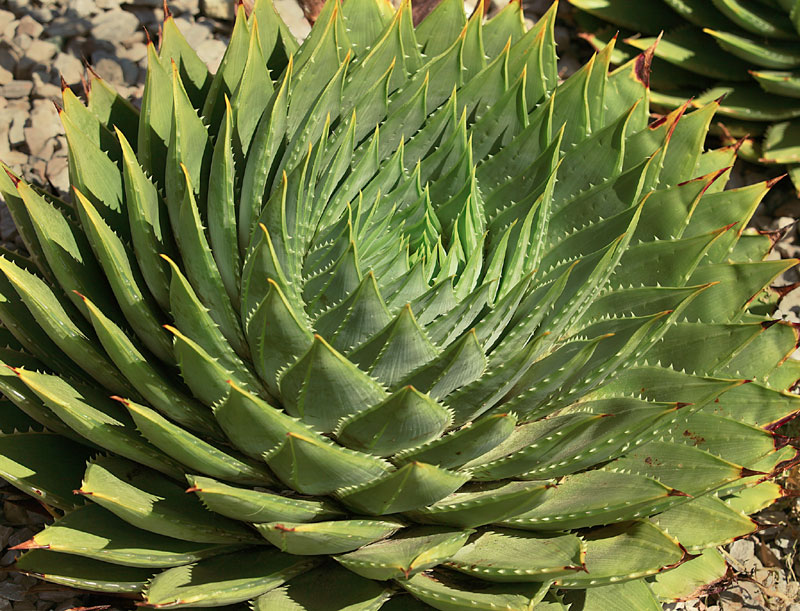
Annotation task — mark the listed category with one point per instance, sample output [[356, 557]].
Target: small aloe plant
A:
[[390, 320], [747, 53]]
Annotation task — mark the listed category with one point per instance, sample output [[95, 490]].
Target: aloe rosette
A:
[[745, 52], [390, 319]]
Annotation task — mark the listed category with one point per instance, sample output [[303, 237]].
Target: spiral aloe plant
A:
[[392, 320], [746, 52]]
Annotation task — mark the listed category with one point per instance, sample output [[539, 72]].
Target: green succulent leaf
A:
[[156, 504], [392, 318], [92, 532], [326, 537], [217, 581], [24, 465], [325, 588], [84, 573], [691, 576]]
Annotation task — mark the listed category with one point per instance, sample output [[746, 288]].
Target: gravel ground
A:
[[44, 40]]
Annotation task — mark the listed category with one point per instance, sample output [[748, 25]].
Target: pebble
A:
[[69, 67], [28, 25], [82, 8], [68, 26], [211, 52], [219, 9], [114, 26], [113, 69], [16, 89], [58, 174], [38, 55]]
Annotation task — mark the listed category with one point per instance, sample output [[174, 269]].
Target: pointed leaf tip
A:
[[773, 181], [644, 61], [29, 544], [11, 175], [745, 472]]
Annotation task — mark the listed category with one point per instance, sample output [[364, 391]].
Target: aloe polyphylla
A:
[[746, 52], [390, 319]]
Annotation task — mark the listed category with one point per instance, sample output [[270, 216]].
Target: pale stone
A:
[[69, 67]]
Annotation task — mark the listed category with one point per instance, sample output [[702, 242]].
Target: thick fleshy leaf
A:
[[323, 387], [28, 462], [635, 594], [151, 382], [511, 556], [52, 315], [405, 420], [218, 581], [190, 450], [413, 485], [135, 301], [621, 553], [93, 532], [399, 296], [443, 591], [84, 573], [96, 418], [249, 505], [691, 577], [478, 504], [154, 503], [571, 505], [721, 523], [327, 588], [326, 537], [313, 465]]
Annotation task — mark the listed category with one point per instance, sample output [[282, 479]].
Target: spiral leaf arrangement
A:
[[390, 319]]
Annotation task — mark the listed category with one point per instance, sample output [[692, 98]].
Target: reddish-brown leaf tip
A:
[[11, 175], [676, 492], [773, 181], [644, 61], [29, 544]]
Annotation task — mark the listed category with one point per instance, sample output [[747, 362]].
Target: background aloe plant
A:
[[748, 53], [412, 324]]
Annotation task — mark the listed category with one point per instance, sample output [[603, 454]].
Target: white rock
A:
[[16, 89], [28, 25], [82, 8], [68, 26], [70, 67], [219, 9], [194, 33], [211, 52], [293, 15], [114, 26], [742, 550], [58, 173], [41, 51], [43, 89], [185, 6]]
